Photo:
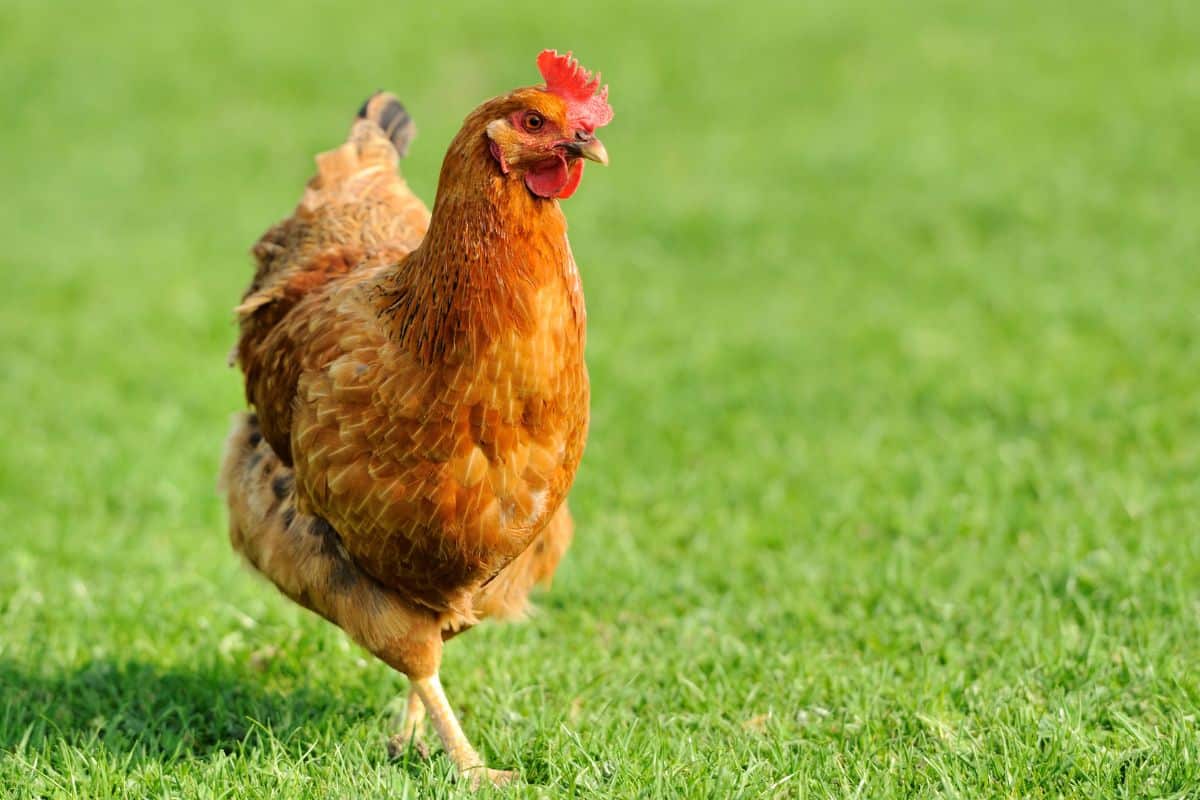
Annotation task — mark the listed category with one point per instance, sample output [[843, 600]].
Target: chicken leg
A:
[[410, 731], [466, 760]]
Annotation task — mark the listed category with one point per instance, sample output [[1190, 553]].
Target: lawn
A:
[[893, 485]]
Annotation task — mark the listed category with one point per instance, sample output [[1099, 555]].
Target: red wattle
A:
[[574, 175], [547, 180]]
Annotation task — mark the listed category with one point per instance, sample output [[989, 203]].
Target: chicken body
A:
[[419, 392]]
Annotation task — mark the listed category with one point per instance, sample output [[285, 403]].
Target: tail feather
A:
[[393, 119], [356, 210], [365, 166], [357, 201]]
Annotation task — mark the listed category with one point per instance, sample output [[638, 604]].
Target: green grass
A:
[[892, 488]]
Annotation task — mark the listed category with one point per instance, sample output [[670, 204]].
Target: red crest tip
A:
[[565, 78]]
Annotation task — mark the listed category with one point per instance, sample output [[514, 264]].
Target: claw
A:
[[398, 745]]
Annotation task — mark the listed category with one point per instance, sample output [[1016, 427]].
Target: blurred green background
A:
[[892, 482]]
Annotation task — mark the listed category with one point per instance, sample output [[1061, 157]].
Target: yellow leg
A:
[[414, 716], [466, 761]]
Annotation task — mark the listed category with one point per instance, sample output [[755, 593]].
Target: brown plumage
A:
[[419, 392]]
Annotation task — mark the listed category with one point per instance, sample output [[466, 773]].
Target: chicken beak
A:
[[594, 151], [590, 148]]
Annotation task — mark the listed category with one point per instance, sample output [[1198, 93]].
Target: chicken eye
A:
[[534, 121]]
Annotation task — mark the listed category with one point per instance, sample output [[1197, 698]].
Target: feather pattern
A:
[[429, 391]]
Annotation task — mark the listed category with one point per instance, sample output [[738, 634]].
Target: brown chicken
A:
[[420, 400]]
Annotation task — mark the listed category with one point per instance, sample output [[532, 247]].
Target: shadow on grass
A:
[[159, 713], [144, 713]]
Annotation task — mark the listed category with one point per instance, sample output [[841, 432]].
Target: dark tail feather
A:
[[389, 114]]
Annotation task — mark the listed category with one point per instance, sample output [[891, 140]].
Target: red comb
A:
[[565, 78]]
